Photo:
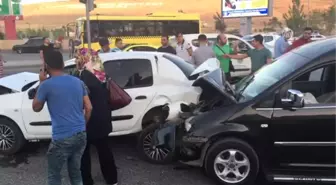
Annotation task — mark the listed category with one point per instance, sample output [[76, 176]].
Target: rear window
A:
[[130, 73], [185, 67]]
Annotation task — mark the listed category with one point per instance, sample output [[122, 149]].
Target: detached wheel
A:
[[19, 51], [11, 137], [232, 162], [151, 153]]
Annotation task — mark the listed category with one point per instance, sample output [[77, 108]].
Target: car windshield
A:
[[256, 83]]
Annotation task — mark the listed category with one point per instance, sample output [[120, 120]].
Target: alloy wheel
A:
[[232, 166], [156, 153], [7, 138]]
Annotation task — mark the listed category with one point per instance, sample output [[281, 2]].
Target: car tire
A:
[[243, 155], [19, 51], [160, 155], [13, 136]]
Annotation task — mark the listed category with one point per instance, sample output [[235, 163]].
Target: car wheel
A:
[[19, 51], [232, 162], [11, 137], [151, 153]]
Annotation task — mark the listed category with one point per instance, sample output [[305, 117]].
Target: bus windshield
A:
[[119, 28]]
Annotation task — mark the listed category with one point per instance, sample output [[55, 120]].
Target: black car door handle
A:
[[140, 97]]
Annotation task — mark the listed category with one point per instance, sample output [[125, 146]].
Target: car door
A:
[[242, 66], [136, 76], [304, 138], [37, 123]]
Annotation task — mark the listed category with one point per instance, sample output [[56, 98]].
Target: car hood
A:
[[209, 65], [17, 81], [217, 81]]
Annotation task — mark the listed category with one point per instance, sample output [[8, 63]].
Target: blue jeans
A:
[[69, 151]]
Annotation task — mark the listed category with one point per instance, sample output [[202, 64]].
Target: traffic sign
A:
[[10, 7], [4, 7], [89, 3]]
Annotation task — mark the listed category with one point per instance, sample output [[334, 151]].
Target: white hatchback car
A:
[[152, 79], [242, 67]]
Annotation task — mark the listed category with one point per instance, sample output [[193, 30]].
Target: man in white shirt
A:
[[183, 49]]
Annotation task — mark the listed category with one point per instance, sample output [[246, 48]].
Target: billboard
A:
[[246, 8]]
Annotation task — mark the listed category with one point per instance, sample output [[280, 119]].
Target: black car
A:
[[33, 45], [278, 122]]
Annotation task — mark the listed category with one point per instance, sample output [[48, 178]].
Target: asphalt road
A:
[[23, 62], [29, 166]]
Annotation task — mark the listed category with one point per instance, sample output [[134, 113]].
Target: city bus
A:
[[146, 29]]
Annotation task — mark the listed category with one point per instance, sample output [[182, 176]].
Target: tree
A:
[[316, 20], [329, 18], [219, 23], [295, 18]]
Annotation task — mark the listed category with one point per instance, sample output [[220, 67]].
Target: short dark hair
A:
[[308, 29], [103, 42], [259, 38], [54, 60], [218, 38], [165, 36], [202, 37], [178, 33], [118, 40]]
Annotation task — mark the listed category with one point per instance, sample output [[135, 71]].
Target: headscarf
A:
[[91, 62]]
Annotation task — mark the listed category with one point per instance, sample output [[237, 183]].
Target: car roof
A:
[[317, 49], [122, 55], [209, 35]]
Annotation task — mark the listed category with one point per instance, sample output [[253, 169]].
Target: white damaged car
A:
[[152, 80]]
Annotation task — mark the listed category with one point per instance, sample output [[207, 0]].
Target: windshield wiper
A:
[[240, 93]]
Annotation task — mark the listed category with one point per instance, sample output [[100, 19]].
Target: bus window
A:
[[115, 28]]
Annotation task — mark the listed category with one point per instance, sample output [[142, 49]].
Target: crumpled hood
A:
[[17, 81], [219, 115]]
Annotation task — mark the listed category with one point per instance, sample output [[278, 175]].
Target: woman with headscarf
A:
[[90, 71]]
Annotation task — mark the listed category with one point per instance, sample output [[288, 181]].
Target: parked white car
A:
[[152, 79], [242, 67]]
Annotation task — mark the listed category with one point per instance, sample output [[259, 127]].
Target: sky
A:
[[39, 1]]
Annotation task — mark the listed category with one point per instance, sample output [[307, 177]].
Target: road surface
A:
[[23, 62]]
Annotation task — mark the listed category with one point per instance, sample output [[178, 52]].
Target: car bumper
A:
[[187, 147]]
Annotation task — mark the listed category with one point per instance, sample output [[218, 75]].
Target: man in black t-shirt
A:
[[46, 47], [166, 48]]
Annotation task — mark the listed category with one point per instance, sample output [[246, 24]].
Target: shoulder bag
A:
[[118, 97]]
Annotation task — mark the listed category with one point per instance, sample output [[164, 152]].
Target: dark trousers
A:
[[228, 77], [106, 160]]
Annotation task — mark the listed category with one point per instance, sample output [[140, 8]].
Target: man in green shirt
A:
[[221, 49], [259, 55]]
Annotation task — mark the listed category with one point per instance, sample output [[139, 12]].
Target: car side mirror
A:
[[31, 93], [293, 99]]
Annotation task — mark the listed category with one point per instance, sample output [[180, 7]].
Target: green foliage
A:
[[330, 18], [295, 18], [272, 25], [220, 24], [42, 32], [316, 20], [2, 36]]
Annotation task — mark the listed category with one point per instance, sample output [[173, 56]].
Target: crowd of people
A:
[[75, 130]]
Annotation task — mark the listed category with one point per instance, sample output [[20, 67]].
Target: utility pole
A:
[[89, 6], [308, 17]]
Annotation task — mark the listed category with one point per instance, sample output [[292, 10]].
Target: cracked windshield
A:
[[167, 92]]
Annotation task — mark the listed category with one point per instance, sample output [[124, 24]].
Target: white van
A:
[[242, 67]]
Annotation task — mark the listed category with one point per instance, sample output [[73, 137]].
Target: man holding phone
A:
[[65, 96]]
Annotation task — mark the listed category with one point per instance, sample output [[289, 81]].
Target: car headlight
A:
[[187, 124]]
